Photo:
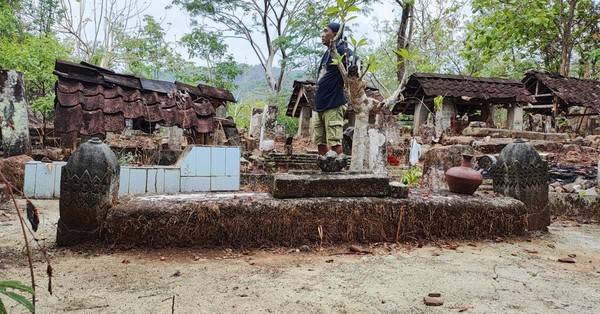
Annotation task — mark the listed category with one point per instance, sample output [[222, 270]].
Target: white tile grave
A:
[[199, 169]]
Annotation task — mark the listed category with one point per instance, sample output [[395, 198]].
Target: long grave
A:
[[286, 216]]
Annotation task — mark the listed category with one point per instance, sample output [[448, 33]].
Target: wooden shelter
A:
[[301, 105], [559, 95], [465, 99], [91, 101]]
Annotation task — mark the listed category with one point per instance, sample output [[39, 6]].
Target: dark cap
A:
[[335, 27]]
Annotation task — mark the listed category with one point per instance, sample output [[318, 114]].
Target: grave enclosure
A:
[[200, 214]]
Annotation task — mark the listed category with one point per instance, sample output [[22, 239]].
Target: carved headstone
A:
[[268, 128], [89, 186], [255, 123], [14, 118], [521, 173]]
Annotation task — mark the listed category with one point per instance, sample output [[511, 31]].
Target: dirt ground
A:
[[503, 276]]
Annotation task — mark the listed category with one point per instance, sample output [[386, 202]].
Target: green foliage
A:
[[146, 53], [406, 55], [342, 10], [6, 288], [290, 124], [283, 27], [411, 177], [126, 159], [504, 34], [32, 53], [438, 101], [241, 111], [221, 69]]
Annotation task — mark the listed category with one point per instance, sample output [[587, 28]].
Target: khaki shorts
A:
[[328, 126]]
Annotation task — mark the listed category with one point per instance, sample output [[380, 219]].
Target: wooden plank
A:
[[301, 93]]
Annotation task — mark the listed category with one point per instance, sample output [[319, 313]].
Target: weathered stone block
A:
[[398, 190], [346, 184], [168, 157]]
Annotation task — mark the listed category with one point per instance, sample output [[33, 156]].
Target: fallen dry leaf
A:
[[358, 249], [460, 308]]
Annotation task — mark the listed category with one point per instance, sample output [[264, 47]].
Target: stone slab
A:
[[329, 185], [398, 190], [574, 206]]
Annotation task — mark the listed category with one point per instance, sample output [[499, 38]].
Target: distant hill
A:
[[253, 85]]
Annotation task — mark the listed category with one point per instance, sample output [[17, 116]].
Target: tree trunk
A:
[[368, 145], [402, 38], [14, 117], [566, 42]]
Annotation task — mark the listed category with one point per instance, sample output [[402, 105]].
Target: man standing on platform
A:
[[330, 101]]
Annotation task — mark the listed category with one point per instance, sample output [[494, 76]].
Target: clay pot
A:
[[463, 179]]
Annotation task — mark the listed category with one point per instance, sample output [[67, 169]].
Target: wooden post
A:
[[581, 120]]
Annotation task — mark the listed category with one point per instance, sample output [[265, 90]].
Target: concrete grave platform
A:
[[251, 219]]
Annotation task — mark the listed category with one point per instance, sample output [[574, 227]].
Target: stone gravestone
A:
[[437, 160], [521, 173], [14, 118], [89, 186]]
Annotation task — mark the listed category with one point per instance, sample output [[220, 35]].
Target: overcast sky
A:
[[180, 24]]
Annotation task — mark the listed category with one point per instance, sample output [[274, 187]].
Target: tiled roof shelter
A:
[[552, 89], [91, 100], [303, 95], [461, 90], [302, 102], [465, 99]]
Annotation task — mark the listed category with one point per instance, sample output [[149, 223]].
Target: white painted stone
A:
[[232, 161], [29, 182], [514, 119], [172, 180], [203, 161], [160, 179], [217, 158], [151, 177], [58, 165], [44, 180], [225, 183], [187, 162], [195, 184], [124, 180], [137, 180], [267, 145], [377, 151]]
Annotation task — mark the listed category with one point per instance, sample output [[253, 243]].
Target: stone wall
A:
[[574, 206]]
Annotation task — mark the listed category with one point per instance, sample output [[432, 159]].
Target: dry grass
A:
[[314, 221]]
